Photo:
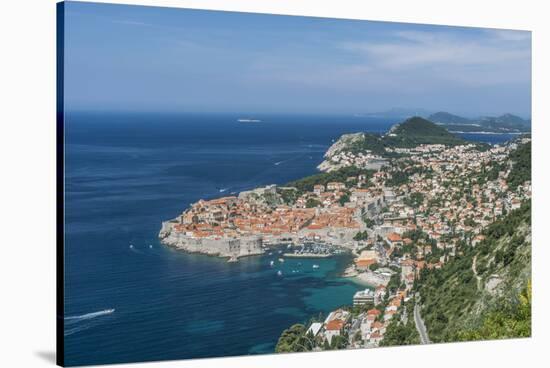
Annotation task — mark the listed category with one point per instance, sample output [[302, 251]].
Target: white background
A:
[[27, 180]]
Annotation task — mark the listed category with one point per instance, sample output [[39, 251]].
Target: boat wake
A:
[[90, 315], [74, 324], [134, 250]]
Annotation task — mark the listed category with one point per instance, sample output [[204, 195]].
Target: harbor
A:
[[311, 250]]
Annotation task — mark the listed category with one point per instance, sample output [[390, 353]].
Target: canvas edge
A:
[[60, 162]]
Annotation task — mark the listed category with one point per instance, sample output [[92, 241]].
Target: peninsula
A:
[[360, 178]]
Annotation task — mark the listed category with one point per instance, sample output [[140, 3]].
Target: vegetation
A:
[[361, 235], [501, 123], [370, 142], [288, 195], [306, 184], [394, 283], [414, 199], [344, 199], [399, 332], [521, 169], [455, 306], [489, 173], [398, 178], [416, 130], [312, 203], [293, 339], [368, 222], [504, 322], [411, 133]]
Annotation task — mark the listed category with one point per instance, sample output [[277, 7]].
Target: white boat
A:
[[131, 246], [271, 263], [249, 120], [315, 266], [279, 273], [281, 260]]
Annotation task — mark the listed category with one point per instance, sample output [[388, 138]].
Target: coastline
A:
[[484, 132]]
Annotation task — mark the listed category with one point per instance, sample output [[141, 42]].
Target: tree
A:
[[507, 322], [312, 203], [344, 199], [291, 339], [361, 235]]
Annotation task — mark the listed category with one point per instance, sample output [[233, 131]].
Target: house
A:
[[363, 297], [373, 312], [379, 294], [334, 185], [394, 239], [334, 328], [477, 239], [389, 315], [365, 259], [378, 327], [318, 189], [360, 195], [375, 338]]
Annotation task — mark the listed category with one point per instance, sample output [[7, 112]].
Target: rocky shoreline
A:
[[366, 278], [232, 248]]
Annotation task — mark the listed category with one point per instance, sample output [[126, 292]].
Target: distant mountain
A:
[[417, 130], [398, 113], [410, 133], [448, 119], [506, 123]]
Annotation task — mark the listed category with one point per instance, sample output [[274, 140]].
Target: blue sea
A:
[[127, 297]]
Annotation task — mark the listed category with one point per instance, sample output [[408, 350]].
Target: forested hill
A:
[[483, 293], [497, 124], [521, 166], [416, 130], [408, 134]]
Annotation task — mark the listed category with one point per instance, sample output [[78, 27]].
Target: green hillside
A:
[[482, 292], [521, 169], [416, 130], [449, 119], [410, 133]]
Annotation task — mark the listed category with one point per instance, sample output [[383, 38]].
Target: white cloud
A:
[[423, 49], [508, 35], [408, 61]]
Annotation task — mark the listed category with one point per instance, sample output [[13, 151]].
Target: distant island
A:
[[502, 124], [506, 123]]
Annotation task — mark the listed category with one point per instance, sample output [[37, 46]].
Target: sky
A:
[[136, 58]]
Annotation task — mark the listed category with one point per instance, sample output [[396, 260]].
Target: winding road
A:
[[474, 270], [420, 326]]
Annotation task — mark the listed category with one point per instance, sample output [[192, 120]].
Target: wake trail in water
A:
[[74, 324], [86, 316]]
